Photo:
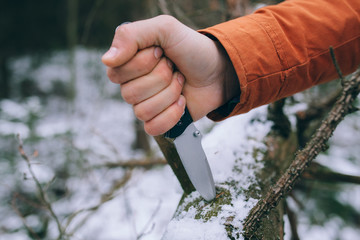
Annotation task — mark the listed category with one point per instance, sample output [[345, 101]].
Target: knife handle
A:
[[180, 126]]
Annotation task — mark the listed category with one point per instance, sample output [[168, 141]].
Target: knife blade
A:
[[187, 139]]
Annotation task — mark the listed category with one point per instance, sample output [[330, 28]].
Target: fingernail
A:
[[170, 64], [158, 52], [111, 53], [181, 101], [180, 78]]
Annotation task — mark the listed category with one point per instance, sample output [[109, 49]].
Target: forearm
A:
[[284, 49]]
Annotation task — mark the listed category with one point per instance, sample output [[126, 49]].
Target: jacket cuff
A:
[[249, 45]]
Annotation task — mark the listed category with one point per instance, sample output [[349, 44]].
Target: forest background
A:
[[76, 164]]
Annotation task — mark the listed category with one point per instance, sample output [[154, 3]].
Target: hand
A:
[[142, 59]]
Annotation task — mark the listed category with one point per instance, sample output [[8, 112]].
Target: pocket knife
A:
[[187, 140]]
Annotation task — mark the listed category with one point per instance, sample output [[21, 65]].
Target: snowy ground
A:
[[101, 129]]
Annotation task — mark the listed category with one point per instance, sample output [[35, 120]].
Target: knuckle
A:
[[111, 74], [153, 128], [150, 129], [147, 64], [123, 30], [168, 19], [166, 30], [129, 94], [161, 124], [164, 73], [142, 113], [114, 75]]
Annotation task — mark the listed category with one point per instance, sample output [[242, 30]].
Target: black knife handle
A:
[[181, 125]]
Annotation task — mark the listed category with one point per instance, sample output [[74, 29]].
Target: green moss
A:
[[207, 210]]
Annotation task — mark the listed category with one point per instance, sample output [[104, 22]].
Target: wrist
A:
[[229, 83]]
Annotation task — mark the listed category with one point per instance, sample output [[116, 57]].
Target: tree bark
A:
[[172, 157], [275, 170], [237, 194]]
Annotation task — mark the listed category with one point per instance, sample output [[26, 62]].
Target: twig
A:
[[336, 64], [315, 111], [134, 163], [296, 200], [16, 209], [293, 222], [304, 157], [106, 197], [106, 141], [43, 196], [319, 172], [143, 233], [281, 122]]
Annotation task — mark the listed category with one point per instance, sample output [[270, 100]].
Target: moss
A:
[[207, 210]]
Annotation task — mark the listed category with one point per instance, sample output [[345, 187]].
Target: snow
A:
[[195, 230], [98, 127], [13, 109], [230, 143], [11, 128]]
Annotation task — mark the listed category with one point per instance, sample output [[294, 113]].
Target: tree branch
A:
[[336, 64], [106, 197], [172, 157], [43, 196], [293, 222], [315, 112], [17, 211], [318, 172], [304, 157], [145, 163]]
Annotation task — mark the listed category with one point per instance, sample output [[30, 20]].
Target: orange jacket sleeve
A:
[[283, 49]]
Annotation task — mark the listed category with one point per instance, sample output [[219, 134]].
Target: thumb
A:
[[132, 37]]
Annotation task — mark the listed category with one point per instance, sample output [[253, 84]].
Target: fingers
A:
[[144, 87], [155, 96], [141, 64], [132, 37], [155, 105], [137, 60], [164, 109], [167, 119]]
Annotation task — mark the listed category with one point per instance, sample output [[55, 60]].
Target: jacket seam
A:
[[274, 37], [305, 62]]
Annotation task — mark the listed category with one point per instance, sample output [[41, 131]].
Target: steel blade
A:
[[192, 155]]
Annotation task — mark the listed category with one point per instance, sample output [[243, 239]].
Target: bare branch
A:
[[106, 197], [293, 222], [318, 172], [28, 228], [42, 193], [143, 232], [336, 64], [146, 163], [304, 157], [315, 112]]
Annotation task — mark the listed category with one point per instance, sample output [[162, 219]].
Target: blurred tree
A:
[[39, 27]]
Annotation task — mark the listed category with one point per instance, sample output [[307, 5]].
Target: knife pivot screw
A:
[[197, 134]]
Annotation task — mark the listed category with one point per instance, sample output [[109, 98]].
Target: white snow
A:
[[230, 143], [102, 130]]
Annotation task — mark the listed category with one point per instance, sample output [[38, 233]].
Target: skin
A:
[[163, 65]]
